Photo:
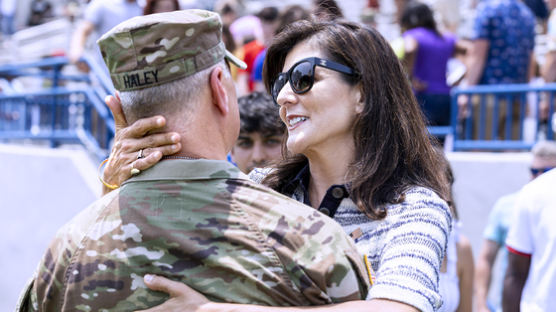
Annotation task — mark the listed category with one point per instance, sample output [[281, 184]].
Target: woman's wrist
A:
[[218, 307]]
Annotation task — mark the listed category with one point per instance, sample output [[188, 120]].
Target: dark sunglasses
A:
[[537, 171], [301, 75]]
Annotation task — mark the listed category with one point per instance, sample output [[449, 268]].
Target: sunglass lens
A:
[[302, 77], [278, 85]]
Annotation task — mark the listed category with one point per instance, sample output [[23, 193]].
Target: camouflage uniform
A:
[[204, 223]]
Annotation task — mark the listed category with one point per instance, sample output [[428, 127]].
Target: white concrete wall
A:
[[42, 189], [480, 179]]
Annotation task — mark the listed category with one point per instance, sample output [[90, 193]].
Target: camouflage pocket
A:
[[364, 276]]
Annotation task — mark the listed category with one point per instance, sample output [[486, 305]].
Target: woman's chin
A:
[[295, 147]]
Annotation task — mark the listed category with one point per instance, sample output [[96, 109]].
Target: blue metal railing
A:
[[58, 113], [496, 116]]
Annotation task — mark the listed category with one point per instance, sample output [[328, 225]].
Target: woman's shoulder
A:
[[419, 195], [422, 201]]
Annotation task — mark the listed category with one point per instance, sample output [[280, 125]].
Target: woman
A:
[[356, 149], [427, 52]]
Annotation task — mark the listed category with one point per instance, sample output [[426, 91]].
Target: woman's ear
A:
[[218, 90], [359, 100]]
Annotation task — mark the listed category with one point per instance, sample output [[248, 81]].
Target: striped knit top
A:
[[405, 249]]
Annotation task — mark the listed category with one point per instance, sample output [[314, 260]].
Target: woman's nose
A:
[[286, 95]]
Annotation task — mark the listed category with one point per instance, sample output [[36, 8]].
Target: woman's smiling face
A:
[[322, 119]]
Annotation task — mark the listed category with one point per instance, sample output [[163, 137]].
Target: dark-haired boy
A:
[[261, 132]]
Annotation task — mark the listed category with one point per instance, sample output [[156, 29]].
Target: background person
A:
[[427, 52], [501, 52], [260, 134], [159, 6], [327, 10], [496, 231], [268, 18], [540, 10], [229, 10], [99, 17], [530, 281], [548, 69], [288, 15], [447, 14], [41, 12], [8, 9]]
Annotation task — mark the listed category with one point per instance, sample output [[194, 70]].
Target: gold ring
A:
[[134, 171]]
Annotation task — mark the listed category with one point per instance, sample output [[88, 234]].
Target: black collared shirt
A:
[[298, 188]]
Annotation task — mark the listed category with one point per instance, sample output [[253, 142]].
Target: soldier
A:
[[193, 217]]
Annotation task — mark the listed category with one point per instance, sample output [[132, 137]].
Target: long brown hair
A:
[[393, 151]]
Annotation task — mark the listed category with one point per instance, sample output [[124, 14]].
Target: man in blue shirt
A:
[[504, 38], [501, 52]]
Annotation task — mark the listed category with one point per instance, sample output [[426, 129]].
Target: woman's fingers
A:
[[140, 127], [148, 161], [182, 297], [152, 141], [126, 153], [155, 154], [159, 283], [115, 107]]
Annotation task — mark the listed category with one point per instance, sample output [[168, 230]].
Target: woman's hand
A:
[[182, 297], [185, 299], [129, 141]]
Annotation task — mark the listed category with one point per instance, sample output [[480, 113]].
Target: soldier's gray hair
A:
[[168, 99], [544, 149]]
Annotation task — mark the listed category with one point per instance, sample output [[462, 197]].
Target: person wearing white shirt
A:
[[530, 281]]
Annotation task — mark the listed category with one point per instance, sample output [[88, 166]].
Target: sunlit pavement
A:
[[41, 189]]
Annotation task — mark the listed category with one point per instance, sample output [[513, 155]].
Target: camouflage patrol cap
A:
[[150, 50]]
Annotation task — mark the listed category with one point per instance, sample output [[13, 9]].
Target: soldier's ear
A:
[[218, 90]]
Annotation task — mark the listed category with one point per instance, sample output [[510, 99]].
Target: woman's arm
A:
[[186, 299], [483, 274], [411, 46], [466, 270], [129, 140], [461, 47]]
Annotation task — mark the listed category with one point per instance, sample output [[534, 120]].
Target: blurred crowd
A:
[[441, 43]]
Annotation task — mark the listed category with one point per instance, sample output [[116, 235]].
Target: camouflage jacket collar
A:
[[182, 169]]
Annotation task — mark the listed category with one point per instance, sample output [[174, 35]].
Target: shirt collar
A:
[[332, 199], [300, 180], [182, 169]]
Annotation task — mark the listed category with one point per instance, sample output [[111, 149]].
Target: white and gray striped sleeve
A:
[[416, 238]]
